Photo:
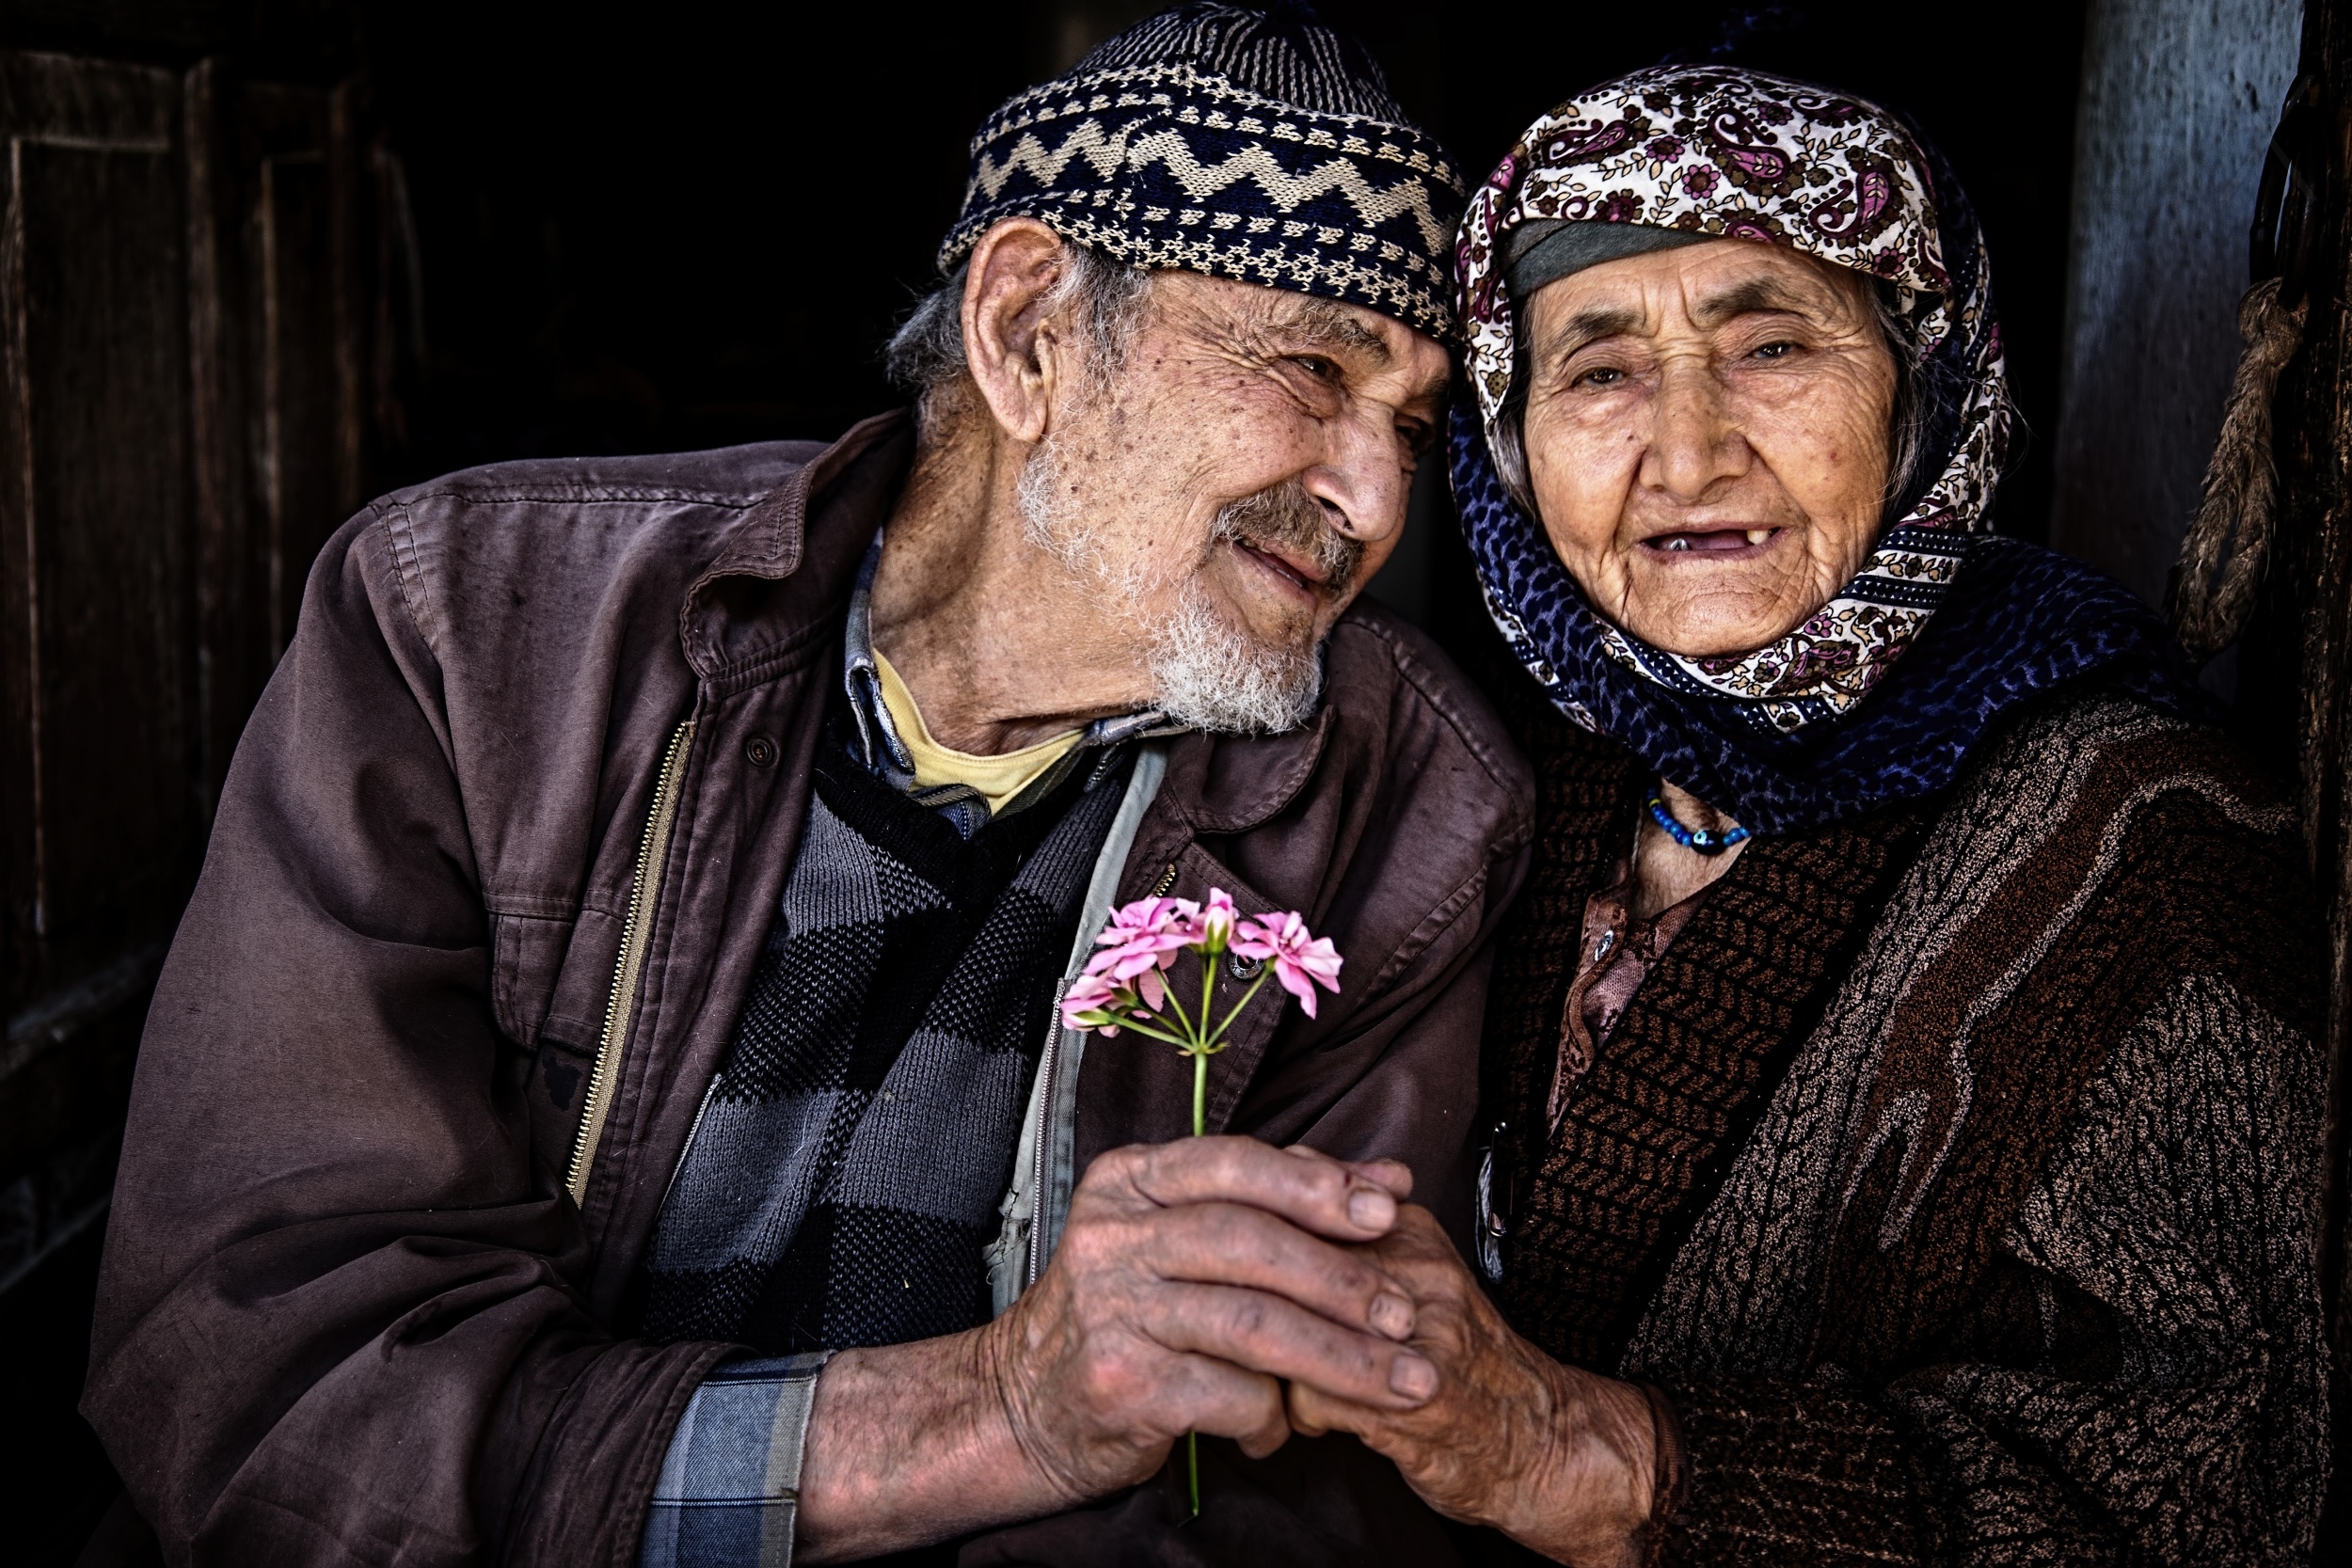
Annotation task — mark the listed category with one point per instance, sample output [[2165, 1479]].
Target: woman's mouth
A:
[[1714, 542]]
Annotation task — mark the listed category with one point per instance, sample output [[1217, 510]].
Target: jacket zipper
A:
[[1040, 1173], [643, 891]]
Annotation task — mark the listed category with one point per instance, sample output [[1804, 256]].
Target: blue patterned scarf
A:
[[1880, 695]]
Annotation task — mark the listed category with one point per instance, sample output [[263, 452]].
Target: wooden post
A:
[[2295, 685]]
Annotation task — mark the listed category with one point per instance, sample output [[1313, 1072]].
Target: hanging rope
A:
[[2221, 558]]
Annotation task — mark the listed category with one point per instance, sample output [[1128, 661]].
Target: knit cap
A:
[[1252, 144]]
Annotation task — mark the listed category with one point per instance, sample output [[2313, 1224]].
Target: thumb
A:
[[1312, 1413]]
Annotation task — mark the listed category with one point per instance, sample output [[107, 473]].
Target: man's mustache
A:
[[1284, 515]]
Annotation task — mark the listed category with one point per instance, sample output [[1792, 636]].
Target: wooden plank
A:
[[100, 316], [302, 365], [94, 516], [99, 780], [69, 100], [228, 671]]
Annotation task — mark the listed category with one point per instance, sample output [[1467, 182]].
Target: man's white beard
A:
[[1205, 671], [1208, 672]]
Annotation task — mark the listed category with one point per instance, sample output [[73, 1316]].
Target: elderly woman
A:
[[1904, 1051]]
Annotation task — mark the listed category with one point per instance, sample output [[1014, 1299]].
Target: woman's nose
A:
[[1694, 443]]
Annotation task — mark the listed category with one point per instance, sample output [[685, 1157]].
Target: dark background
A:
[[638, 228], [663, 228]]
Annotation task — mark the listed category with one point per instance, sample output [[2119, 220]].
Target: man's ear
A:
[[1016, 356]]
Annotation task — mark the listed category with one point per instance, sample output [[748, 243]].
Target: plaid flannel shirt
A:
[[729, 1490]]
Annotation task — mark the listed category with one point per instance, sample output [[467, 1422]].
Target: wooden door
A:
[[179, 429], [100, 814]]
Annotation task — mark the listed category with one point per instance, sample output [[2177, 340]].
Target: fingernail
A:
[[1371, 1208], [1412, 1377], [1392, 1315]]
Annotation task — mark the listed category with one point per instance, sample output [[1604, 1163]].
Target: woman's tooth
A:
[[1757, 535]]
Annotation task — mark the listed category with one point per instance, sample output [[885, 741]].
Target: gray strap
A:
[[1039, 1167]]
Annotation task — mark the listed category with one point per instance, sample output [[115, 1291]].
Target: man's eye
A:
[[1776, 351], [1316, 366]]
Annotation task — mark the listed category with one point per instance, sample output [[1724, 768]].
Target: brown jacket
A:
[[350, 1311]]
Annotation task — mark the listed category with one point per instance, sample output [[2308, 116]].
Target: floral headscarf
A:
[[1770, 736]]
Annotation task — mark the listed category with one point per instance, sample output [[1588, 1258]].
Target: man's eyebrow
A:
[[1322, 325]]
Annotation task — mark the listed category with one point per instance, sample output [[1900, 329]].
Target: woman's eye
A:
[[1601, 375]]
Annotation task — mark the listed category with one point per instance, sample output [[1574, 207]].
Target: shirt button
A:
[[760, 750]]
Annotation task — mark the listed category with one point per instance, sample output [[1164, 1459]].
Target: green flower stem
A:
[[1208, 1041], [1180, 1042], [1200, 1046], [1264, 975], [1200, 1126], [1167, 999]]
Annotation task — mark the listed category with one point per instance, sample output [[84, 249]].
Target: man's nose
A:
[[1363, 481], [1693, 441]]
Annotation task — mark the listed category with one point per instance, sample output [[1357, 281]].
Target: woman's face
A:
[[1707, 438]]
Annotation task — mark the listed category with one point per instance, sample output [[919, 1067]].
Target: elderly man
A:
[[603, 1104]]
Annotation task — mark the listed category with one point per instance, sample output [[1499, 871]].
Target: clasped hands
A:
[[1223, 1286]]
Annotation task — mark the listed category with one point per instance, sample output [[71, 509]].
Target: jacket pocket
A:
[[527, 955], [547, 995]]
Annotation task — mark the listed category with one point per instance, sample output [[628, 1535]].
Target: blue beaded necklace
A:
[[1704, 841]]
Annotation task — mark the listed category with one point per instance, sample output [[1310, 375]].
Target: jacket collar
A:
[[809, 533], [1229, 784]]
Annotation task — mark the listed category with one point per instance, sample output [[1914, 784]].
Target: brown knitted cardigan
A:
[[1955, 1170]]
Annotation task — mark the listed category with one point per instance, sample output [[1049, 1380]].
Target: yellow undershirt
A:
[[998, 779]]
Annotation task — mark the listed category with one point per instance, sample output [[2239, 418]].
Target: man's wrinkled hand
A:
[[1192, 1278], [1554, 1456]]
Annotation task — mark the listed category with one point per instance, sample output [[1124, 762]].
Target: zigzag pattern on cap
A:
[[1164, 147], [1107, 152]]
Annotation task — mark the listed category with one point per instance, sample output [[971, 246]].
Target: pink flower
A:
[[1216, 920], [1091, 1003], [1301, 960], [1146, 934]]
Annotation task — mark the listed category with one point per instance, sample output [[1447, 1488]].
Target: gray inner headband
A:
[[1544, 250]]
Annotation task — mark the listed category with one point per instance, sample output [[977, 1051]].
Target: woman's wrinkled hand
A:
[[1557, 1458]]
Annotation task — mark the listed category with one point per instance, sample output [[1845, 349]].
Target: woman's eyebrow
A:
[[1592, 323], [1754, 295]]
